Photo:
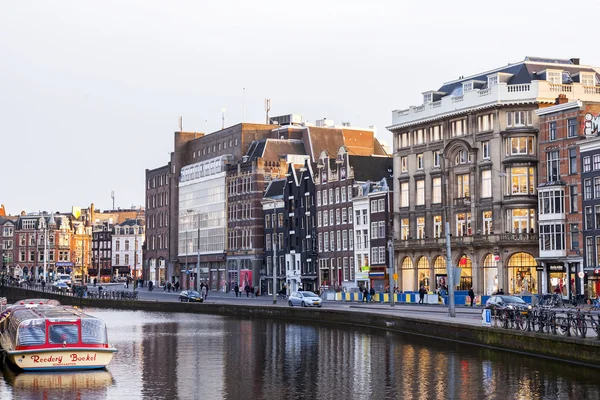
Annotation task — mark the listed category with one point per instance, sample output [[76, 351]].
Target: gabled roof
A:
[[275, 189], [274, 149], [372, 168], [131, 222]]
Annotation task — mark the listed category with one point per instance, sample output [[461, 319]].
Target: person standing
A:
[[372, 294], [247, 290], [236, 289], [472, 295], [421, 294]]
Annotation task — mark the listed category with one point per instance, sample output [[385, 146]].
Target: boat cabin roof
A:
[[46, 312]]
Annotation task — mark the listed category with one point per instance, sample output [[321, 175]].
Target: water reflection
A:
[[184, 356]]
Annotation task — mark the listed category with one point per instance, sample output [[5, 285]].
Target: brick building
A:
[[560, 188], [156, 248]]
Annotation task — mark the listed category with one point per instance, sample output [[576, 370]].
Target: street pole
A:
[[274, 253], [450, 270], [45, 250], [135, 256], [187, 280], [391, 271], [198, 263]]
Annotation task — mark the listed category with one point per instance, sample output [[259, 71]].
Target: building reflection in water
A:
[[186, 356]]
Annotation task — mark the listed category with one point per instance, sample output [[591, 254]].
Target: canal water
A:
[[190, 356]]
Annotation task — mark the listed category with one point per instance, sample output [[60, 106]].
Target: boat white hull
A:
[[60, 359]]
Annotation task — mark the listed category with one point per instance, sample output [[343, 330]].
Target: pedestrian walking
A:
[[365, 293], [247, 290], [177, 286], [236, 289], [372, 294], [472, 295], [204, 292], [421, 294], [43, 284]]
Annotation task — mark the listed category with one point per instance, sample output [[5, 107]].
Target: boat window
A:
[[58, 334], [32, 332], [93, 331]]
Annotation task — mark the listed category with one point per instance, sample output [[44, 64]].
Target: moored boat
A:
[[38, 335]]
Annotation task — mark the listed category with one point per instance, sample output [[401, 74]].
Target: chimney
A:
[[575, 61], [561, 99]]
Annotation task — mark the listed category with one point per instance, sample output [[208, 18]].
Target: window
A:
[[573, 161], [587, 79], [587, 164], [381, 233], [492, 80], [522, 220], [419, 136], [596, 162], [382, 254], [420, 227], [436, 195], [404, 164], [344, 240], [338, 234], [458, 128], [343, 194], [574, 232], [589, 251], [349, 193], [554, 77], [364, 217], [420, 192], [552, 237], [462, 157], [552, 130], [436, 158], [404, 140], [462, 185], [325, 197], [326, 241], [597, 216], [326, 218], [521, 180], [318, 197], [374, 255], [589, 218], [573, 199], [337, 195], [437, 226], [552, 202], [486, 184], [358, 239], [520, 146], [420, 164], [463, 224], [337, 216], [485, 122], [357, 217], [587, 189], [436, 133], [330, 196], [404, 228], [319, 219], [485, 150], [373, 206], [374, 230], [365, 238], [572, 127], [344, 216], [268, 221], [427, 98], [519, 118], [487, 223], [381, 205], [404, 193], [331, 242]]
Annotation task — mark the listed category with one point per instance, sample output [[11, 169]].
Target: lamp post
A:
[[449, 267]]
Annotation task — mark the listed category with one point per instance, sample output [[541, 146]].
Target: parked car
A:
[[507, 302], [190, 296], [305, 299], [60, 286]]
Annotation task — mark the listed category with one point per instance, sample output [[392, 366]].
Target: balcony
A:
[[540, 91], [523, 238], [462, 201]]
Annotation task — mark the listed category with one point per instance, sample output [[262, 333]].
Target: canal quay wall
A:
[[571, 349]]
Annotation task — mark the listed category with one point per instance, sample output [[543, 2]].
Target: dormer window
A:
[[427, 98], [492, 80], [554, 77], [588, 80], [467, 86]]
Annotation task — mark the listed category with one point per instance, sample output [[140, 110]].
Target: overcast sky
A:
[[91, 92]]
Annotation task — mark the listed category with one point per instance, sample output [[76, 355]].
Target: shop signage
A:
[[580, 274], [539, 268], [596, 271], [556, 267], [64, 264]]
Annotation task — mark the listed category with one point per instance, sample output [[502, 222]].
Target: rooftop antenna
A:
[[206, 126], [267, 109], [180, 124], [222, 118], [112, 194]]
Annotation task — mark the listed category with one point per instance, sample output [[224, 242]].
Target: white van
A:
[[66, 278]]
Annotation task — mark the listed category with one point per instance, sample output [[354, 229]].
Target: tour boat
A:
[[38, 335]]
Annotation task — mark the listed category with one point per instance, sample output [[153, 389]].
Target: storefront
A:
[[408, 275], [362, 276], [466, 273], [522, 274], [439, 273], [592, 284], [490, 274], [558, 280]]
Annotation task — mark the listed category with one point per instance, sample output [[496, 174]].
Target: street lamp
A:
[[449, 267]]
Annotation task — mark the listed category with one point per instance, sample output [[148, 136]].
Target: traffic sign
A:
[[580, 274], [395, 276]]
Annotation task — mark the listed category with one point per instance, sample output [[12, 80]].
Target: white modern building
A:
[[202, 223]]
